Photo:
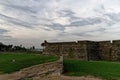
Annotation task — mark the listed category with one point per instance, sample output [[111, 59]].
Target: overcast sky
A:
[[30, 22]]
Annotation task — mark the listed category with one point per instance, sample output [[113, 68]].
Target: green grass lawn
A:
[[21, 61], [102, 69]]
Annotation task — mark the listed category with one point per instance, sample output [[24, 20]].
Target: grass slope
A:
[[21, 61], [107, 70]]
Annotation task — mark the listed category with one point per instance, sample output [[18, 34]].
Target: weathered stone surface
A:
[[85, 50]]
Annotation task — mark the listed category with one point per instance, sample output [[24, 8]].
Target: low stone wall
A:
[[51, 70]]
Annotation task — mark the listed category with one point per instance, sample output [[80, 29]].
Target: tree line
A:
[[10, 47]]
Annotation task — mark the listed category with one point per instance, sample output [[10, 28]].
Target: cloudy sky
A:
[[30, 22]]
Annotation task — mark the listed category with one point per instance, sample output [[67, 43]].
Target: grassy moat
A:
[[102, 69], [11, 62]]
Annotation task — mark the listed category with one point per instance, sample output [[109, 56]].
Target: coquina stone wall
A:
[[85, 50], [105, 50], [93, 51], [115, 50], [76, 50]]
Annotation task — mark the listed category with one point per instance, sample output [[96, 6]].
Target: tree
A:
[[32, 48]]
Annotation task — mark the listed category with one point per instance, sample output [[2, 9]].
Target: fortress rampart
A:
[[85, 50]]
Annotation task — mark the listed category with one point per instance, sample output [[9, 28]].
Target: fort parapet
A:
[[85, 50]]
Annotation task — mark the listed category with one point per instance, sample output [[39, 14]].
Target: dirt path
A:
[[48, 77]]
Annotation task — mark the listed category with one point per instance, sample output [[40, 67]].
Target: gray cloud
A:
[[3, 37], [15, 21], [75, 21], [68, 13], [86, 21], [114, 16], [26, 9], [79, 21], [86, 33], [56, 26], [3, 31]]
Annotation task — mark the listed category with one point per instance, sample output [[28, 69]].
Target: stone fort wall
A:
[[85, 50]]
